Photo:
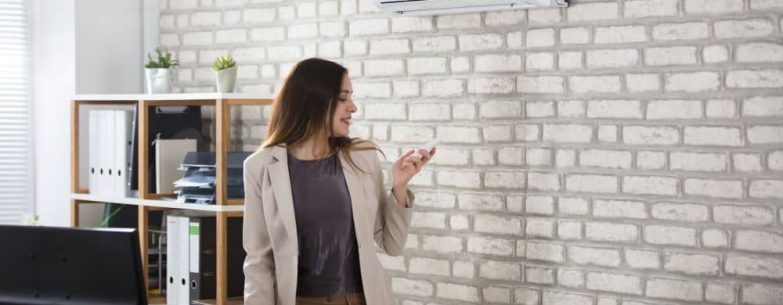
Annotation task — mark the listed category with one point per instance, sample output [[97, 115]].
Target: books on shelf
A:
[[166, 118], [191, 257], [176, 260], [109, 145]]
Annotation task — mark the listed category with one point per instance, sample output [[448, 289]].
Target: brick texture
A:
[[621, 152]]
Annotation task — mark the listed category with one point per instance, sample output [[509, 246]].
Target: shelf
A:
[[229, 301], [169, 204], [144, 103], [156, 300], [170, 97]]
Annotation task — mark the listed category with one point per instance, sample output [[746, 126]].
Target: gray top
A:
[[328, 254]]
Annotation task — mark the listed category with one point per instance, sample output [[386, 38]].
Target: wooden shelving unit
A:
[[147, 201]]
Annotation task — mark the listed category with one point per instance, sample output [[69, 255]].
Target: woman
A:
[[315, 201]]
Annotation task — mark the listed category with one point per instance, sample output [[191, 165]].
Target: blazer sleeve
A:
[[392, 221], [259, 266]]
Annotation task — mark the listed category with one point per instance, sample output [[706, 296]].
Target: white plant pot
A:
[[226, 79], [158, 80]]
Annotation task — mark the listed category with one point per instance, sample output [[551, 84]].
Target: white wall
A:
[[84, 47], [150, 27], [53, 83], [108, 46]]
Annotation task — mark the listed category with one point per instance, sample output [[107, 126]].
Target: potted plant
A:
[[158, 72], [226, 73]]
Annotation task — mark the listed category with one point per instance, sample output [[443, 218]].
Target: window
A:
[[16, 155]]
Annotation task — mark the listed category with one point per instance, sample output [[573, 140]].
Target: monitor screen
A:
[[54, 265]]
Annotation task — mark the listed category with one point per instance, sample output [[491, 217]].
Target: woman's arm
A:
[[259, 264], [393, 218]]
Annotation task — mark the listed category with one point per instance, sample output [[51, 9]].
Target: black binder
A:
[[168, 122], [203, 258]]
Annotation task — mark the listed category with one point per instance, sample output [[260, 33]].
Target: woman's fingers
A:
[[425, 155], [415, 158], [416, 165], [401, 161], [415, 162]]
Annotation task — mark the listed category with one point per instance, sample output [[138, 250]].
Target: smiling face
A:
[[345, 108]]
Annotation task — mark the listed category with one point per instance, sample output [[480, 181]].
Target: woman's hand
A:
[[407, 166]]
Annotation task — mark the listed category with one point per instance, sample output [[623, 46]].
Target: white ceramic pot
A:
[[158, 80], [226, 79]]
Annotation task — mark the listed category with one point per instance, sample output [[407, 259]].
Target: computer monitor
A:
[[54, 265]]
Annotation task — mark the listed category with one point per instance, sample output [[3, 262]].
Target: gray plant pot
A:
[[158, 80], [226, 79]]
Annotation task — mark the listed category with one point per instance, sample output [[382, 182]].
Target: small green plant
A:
[[223, 62], [31, 220], [163, 61]]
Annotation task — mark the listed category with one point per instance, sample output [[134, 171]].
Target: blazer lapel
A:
[[281, 187], [354, 190]]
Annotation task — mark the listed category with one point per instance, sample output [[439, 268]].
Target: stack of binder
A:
[[198, 184], [109, 145], [191, 258]]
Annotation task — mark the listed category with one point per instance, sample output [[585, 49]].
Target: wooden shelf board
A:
[[229, 301], [170, 97], [170, 204], [156, 300], [236, 201]]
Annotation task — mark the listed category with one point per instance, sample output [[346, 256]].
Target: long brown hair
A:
[[305, 106]]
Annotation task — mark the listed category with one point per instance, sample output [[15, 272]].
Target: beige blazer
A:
[[270, 237]]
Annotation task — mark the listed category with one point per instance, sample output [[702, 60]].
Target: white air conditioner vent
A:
[[437, 7]]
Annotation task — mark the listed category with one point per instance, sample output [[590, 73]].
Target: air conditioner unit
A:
[[438, 7]]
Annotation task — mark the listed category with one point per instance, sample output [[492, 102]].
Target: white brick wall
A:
[[478, 42], [639, 259], [614, 109], [696, 81], [692, 263], [605, 158], [540, 109], [666, 288], [592, 11], [556, 297], [500, 271], [650, 8], [611, 232], [761, 294], [744, 28], [621, 152], [613, 58], [664, 235], [614, 282], [594, 256], [594, 84], [619, 209], [674, 109], [680, 211], [620, 34]]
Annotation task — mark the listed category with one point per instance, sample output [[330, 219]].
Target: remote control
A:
[[427, 146]]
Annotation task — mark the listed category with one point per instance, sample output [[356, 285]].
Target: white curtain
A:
[[16, 157]]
